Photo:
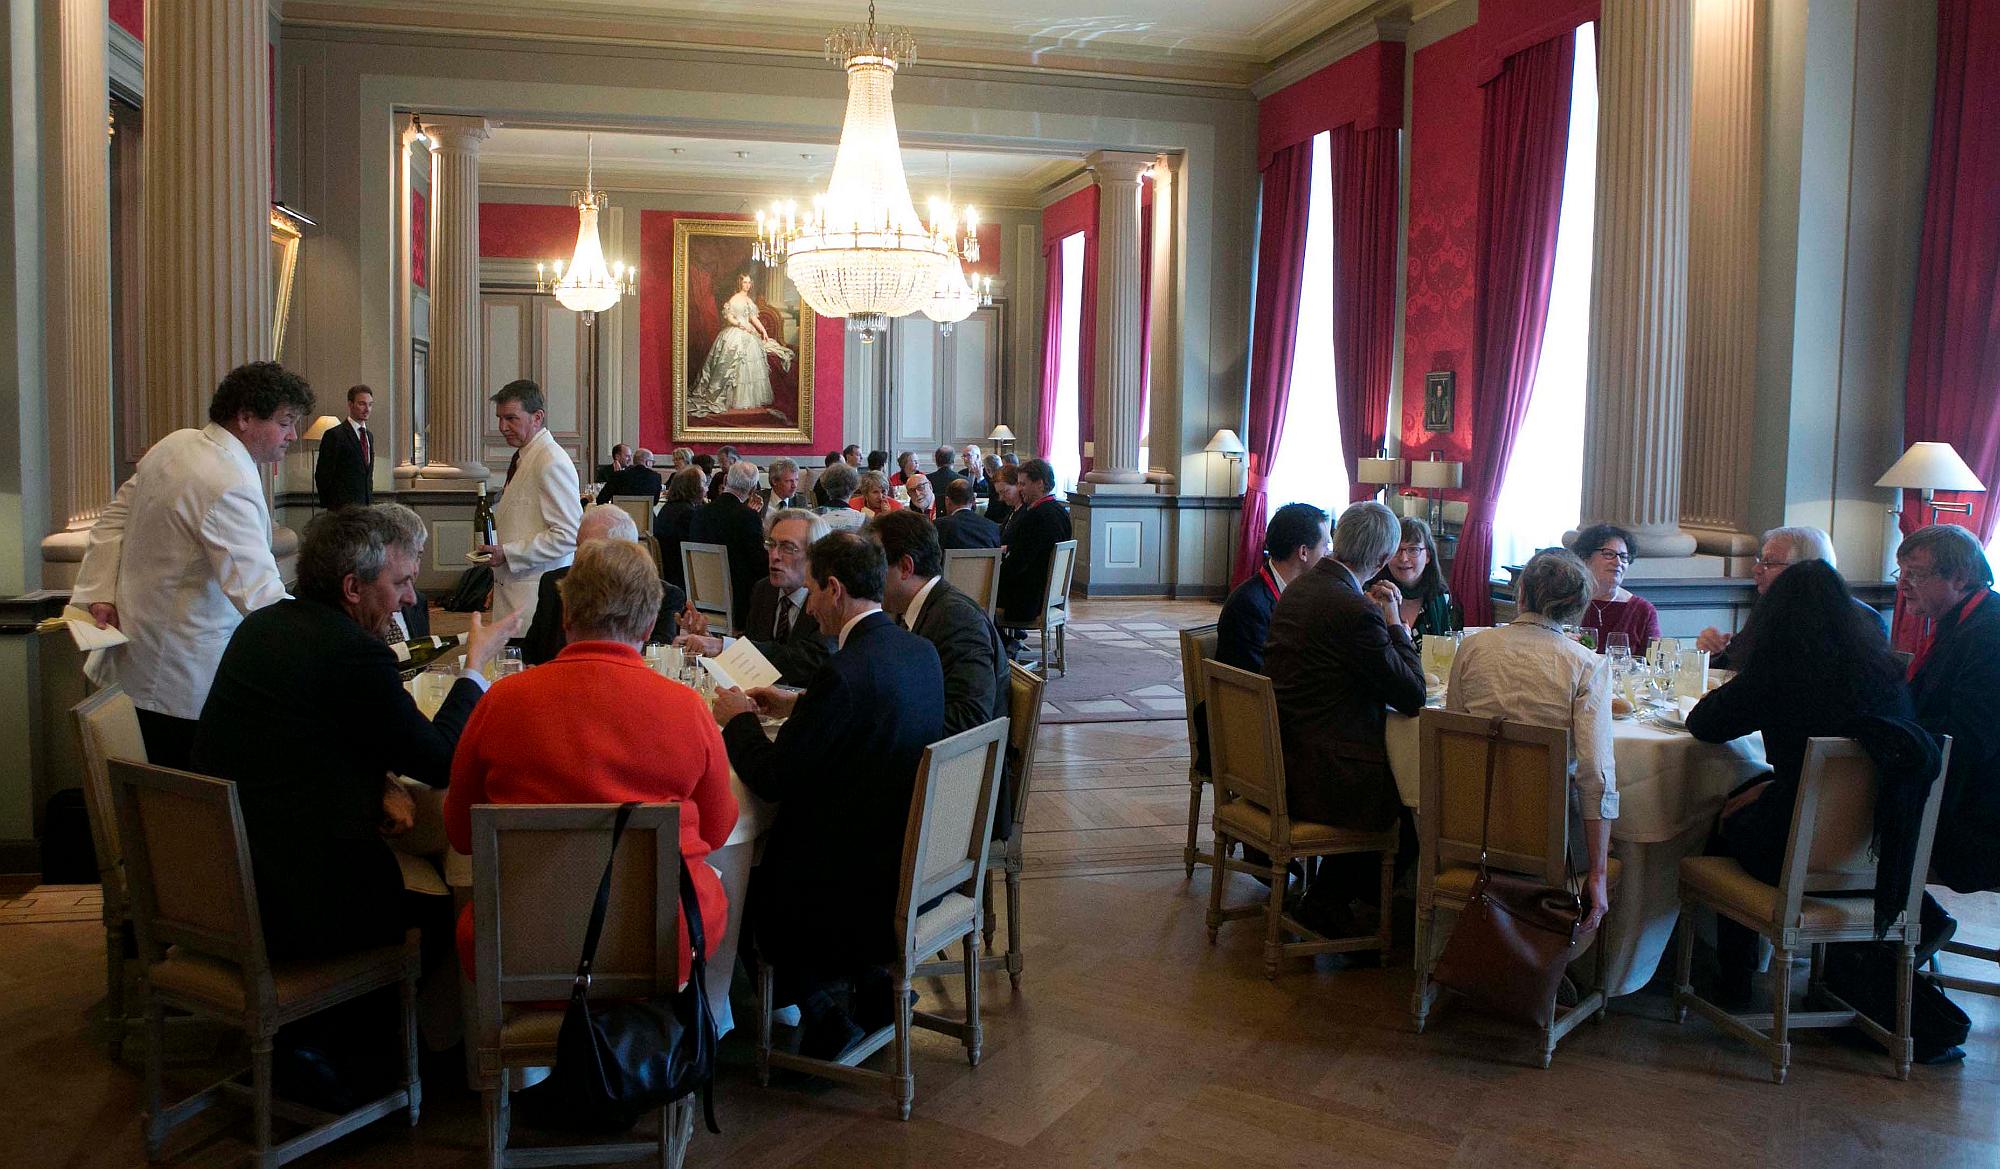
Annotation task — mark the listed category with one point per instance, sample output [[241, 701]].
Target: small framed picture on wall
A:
[[1440, 400]]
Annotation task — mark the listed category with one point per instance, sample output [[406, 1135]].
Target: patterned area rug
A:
[[52, 903], [1119, 671]]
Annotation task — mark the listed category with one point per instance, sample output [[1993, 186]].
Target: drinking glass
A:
[[1589, 637], [509, 663]]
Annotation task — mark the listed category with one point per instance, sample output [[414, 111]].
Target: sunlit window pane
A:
[[1309, 467], [1067, 455]]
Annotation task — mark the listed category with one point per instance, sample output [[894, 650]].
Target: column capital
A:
[[456, 131], [1118, 166]]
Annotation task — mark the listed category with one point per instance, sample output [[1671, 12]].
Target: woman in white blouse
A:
[[1529, 672]]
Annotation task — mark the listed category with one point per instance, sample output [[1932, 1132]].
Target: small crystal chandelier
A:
[[860, 251], [587, 285], [956, 297]]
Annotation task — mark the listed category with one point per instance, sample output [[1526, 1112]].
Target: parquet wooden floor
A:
[[1133, 1042]]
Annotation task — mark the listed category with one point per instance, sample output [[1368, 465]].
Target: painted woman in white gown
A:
[[737, 374]]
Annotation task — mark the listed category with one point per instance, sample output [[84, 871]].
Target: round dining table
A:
[[1670, 787]]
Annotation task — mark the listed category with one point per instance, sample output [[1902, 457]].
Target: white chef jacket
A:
[[184, 551], [537, 519]]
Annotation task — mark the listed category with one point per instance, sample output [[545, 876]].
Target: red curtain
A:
[[1281, 270], [1364, 290], [1523, 146], [1052, 278]]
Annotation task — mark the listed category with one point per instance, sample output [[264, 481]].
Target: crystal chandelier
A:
[[956, 297], [588, 285], [860, 251]]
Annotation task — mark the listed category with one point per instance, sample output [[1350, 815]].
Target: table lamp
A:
[[1437, 476], [1382, 472], [1002, 440], [1929, 467], [314, 433]]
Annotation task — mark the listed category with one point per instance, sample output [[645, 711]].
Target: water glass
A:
[[1665, 650], [509, 663]]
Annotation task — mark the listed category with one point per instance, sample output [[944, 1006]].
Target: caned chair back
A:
[[976, 573], [1833, 824], [1062, 574], [1024, 724], [107, 728], [705, 567], [1529, 831], [652, 547], [1246, 755], [639, 507], [951, 820], [1197, 646], [535, 871], [187, 867]]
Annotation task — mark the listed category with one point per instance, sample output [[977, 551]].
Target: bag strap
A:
[[697, 983], [596, 928], [1494, 726]]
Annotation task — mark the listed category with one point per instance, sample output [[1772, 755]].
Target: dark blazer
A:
[[341, 475], [728, 521], [633, 480], [1738, 650], [670, 527], [545, 639], [940, 479], [1957, 693], [1338, 667], [975, 672], [1024, 571], [841, 771], [799, 656], [308, 716], [967, 529], [801, 500], [1000, 512], [1245, 624], [982, 485]]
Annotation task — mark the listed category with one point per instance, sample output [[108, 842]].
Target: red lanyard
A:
[[1270, 581], [1929, 642]]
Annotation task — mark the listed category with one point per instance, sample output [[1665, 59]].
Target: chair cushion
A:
[[1244, 822], [1456, 881], [1721, 882], [220, 984], [946, 921]]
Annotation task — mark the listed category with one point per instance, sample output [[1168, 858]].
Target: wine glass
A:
[[1618, 647], [1589, 637]]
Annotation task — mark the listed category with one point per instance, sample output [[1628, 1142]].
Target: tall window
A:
[[1542, 494], [1067, 455], [1309, 468]]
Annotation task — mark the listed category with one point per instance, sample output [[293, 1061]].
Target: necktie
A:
[[367, 448], [784, 617], [513, 465]]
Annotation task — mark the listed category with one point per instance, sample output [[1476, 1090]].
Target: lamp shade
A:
[[1001, 434], [1437, 473], [1225, 442], [320, 426], [1932, 466], [1379, 470]]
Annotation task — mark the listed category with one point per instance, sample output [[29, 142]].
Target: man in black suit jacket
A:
[[779, 625], [345, 473], [638, 478], [1041, 524], [729, 520], [545, 637], [962, 526], [315, 674], [841, 771], [941, 478], [784, 489]]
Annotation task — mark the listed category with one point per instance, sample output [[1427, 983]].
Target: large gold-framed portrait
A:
[[743, 340]]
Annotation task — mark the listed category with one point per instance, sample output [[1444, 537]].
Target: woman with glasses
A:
[[1607, 550], [1414, 570]]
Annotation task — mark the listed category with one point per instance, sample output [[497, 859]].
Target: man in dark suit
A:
[[819, 482], [545, 637], [729, 520], [841, 771], [345, 473], [962, 526], [784, 489], [1339, 659], [944, 457], [778, 625], [637, 478], [1041, 524], [316, 673]]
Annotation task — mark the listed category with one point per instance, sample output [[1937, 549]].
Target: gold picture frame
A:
[[285, 237], [718, 394]]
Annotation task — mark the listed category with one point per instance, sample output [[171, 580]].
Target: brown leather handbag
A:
[[1516, 936]]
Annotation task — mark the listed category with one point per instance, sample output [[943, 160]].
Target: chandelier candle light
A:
[[588, 285], [859, 251], [956, 298]]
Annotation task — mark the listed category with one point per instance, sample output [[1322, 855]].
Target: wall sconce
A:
[[1929, 467], [1226, 444]]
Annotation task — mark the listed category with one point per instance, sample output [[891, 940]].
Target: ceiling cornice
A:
[[755, 189], [1383, 20]]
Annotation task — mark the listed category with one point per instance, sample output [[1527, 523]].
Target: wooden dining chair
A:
[[639, 507], [1248, 765], [705, 568], [1053, 621], [107, 728], [1197, 646], [976, 573], [945, 853], [1528, 834], [1829, 852], [535, 872], [194, 909]]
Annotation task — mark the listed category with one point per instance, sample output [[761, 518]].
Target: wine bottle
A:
[[482, 519]]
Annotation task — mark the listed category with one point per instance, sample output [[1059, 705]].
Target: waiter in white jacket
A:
[[540, 506], [183, 552]]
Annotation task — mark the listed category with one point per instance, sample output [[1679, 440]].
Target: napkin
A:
[[1684, 706], [84, 631]]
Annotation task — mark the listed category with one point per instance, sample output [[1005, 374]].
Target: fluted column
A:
[[1725, 157], [208, 203], [456, 401], [1115, 433], [1638, 301]]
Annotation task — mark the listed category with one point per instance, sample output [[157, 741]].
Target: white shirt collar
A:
[[917, 602], [358, 426], [221, 436], [798, 598], [857, 619]]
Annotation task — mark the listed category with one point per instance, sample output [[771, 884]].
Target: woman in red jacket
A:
[[597, 726]]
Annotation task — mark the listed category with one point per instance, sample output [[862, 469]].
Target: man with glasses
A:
[[1782, 548], [778, 624]]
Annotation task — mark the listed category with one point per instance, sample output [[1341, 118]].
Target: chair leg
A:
[[1420, 997], [1217, 876], [1194, 824], [676, 1132], [1385, 924], [114, 988], [986, 910], [1906, 963], [260, 1102], [1274, 912], [764, 991], [156, 1044], [905, 1082], [1684, 964], [412, 1082], [497, 1118], [1014, 956], [1781, 1014], [1045, 651], [973, 1035]]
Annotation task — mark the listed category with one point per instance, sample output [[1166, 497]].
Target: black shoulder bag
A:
[[617, 1061]]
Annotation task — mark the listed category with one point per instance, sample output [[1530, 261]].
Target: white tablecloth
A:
[[1670, 787]]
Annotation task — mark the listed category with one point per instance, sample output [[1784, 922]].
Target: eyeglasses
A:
[[785, 546], [1614, 554], [1761, 563], [1412, 550], [1915, 576]]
